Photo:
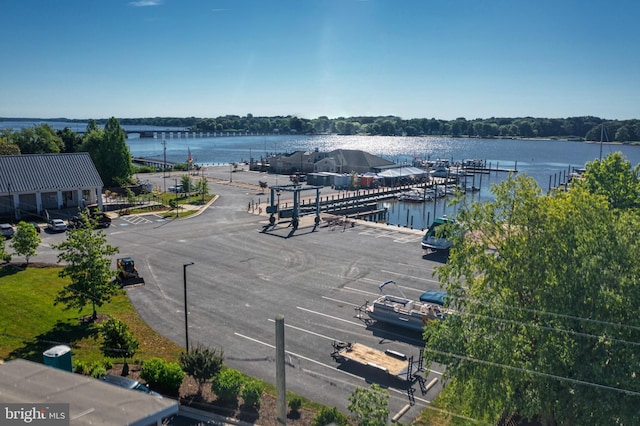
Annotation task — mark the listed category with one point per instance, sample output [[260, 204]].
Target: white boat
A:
[[432, 242], [414, 196], [402, 312]]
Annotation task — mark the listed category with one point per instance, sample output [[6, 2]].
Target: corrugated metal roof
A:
[[46, 172]]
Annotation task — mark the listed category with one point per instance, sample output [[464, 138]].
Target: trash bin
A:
[[58, 357]]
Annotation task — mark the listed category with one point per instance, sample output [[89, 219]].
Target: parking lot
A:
[[245, 273]]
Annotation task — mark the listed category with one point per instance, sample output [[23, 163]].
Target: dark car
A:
[[127, 383], [37, 227], [6, 230], [434, 296]]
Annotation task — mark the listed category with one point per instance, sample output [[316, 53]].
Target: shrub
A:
[[98, 371], [161, 374], [252, 393], [330, 415], [80, 367], [295, 403], [202, 364], [227, 385]]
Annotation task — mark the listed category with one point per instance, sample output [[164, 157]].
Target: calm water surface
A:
[[546, 161]]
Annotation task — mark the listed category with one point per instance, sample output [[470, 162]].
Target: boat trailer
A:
[[395, 364]]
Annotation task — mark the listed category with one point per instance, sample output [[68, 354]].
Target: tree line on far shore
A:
[[573, 128]]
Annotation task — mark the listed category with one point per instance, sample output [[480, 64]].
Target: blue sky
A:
[[308, 58]]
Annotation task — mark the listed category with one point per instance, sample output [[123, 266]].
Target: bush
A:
[[98, 371], [161, 374], [252, 393], [227, 385], [80, 367], [330, 415], [295, 403], [202, 363]]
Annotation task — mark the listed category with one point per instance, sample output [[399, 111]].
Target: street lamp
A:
[[176, 188], [186, 324]]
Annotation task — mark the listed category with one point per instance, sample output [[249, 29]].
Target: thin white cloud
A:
[[145, 3], [218, 10]]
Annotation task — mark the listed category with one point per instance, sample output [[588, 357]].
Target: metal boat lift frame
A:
[[274, 206]]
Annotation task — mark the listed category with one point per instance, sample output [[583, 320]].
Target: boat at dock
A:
[[414, 196], [401, 311]]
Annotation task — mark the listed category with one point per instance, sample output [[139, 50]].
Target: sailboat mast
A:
[[601, 138]]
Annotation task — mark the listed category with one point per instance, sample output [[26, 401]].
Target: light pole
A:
[[186, 323], [176, 187]]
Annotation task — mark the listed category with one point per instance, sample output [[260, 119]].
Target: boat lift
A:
[[274, 206]]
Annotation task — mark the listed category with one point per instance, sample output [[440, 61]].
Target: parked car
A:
[[57, 225], [37, 227], [177, 188], [6, 230], [127, 383]]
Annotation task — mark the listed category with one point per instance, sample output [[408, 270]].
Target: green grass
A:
[[30, 323]]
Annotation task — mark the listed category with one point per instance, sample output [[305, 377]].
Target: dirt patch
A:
[[188, 395]]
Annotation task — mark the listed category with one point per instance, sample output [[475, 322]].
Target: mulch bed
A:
[[207, 401]]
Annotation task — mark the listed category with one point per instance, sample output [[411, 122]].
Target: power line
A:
[[532, 372]]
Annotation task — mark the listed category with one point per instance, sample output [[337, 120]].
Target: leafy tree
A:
[[187, 184], [544, 289], [70, 139], [614, 178], [25, 241], [88, 263], [203, 187], [109, 152], [370, 406], [118, 341], [40, 139], [5, 256], [202, 363], [8, 148]]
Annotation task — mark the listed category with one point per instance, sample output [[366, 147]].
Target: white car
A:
[[6, 230], [57, 225]]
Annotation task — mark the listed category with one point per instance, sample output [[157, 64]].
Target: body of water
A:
[[546, 161]]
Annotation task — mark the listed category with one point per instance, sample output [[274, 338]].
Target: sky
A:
[[440, 59]]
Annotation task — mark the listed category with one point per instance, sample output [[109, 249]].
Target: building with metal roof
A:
[[36, 183], [91, 401]]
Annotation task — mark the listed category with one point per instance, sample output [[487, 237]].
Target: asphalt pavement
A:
[[246, 272]]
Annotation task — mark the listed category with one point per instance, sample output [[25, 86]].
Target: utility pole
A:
[[164, 169]]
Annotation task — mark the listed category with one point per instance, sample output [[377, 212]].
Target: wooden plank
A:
[[369, 356]]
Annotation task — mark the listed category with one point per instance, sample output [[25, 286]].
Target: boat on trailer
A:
[[401, 311]]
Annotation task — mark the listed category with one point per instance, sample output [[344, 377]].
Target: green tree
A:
[[202, 363], [40, 139], [544, 290], [203, 187], [370, 407], [8, 148], [118, 341], [614, 178], [109, 152], [70, 139], [187, 184], [88, 263], [5, 256], [25, 241]]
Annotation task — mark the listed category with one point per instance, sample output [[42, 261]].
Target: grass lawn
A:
[[30, 323]]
